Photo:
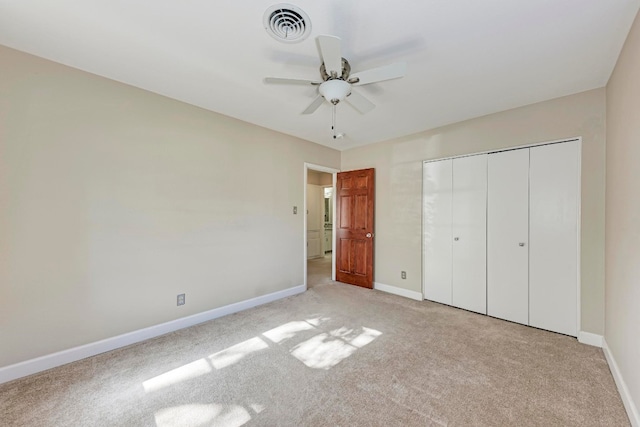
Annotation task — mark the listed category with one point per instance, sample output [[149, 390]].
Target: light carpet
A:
[[336, 355]]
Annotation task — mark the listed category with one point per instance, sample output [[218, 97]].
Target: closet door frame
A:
[[579, 209]]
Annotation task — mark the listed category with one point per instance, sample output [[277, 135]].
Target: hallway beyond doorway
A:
[[319, 271]]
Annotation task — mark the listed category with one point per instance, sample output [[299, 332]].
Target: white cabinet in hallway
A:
[[315, 220], [454, 207], [328, 240]]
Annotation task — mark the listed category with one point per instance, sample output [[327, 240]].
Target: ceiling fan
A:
[[337, 81]]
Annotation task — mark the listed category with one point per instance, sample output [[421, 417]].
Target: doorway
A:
[[319, 210]]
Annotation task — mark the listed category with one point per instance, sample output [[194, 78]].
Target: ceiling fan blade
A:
[[314, 105], [359, 102], [277, 80], [374, 75], [331, 53]]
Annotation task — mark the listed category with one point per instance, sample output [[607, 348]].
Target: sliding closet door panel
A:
[[554, 198], [508, 236], [470, 233], [436, 208]]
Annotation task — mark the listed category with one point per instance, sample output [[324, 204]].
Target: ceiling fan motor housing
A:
[[346, 70]]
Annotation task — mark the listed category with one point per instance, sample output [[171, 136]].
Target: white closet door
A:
[[553, 276], [470, 233], [436, 208], [508, 236]]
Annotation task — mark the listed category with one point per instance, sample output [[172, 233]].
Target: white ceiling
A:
[[465, 58]]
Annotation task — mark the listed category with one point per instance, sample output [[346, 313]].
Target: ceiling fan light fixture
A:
[[335, 91], [286, 23]]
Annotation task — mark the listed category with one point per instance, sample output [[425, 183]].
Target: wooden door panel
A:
[[360, 249], [354, 228], [362, 182], [344, 249], [344, 212], [361, 203], [353, 259]]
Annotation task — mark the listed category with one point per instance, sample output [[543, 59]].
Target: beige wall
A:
[[319, 178], [113, 200], [622, 327], [398, 166]]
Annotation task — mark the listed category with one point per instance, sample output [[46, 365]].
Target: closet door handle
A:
[[521, 244], [456, 238]]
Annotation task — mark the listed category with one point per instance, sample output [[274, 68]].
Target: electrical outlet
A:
[[295, 210], [181, 299], [403, 274]]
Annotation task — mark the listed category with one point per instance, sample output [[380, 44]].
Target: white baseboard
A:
[[590, 339], [398, 291], [28, 367], [632, 410]]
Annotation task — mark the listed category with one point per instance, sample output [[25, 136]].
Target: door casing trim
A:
[[333, 172]]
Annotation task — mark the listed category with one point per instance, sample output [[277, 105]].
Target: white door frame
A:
[[333, 172]]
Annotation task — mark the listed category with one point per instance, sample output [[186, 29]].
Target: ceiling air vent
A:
[[287, 23]]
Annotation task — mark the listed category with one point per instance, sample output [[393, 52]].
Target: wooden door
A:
[[508, 236], [354, 227], [554, 202], [469, 217], [437, 230]]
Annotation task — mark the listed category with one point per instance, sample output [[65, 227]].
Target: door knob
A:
[[456, 238], [521, 244], [369, 235]]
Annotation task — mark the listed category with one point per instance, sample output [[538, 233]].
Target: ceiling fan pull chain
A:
[[333, 120]]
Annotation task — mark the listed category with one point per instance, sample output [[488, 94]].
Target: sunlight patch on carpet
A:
[[322, 351], [219, 360], [287, 331], [183, 373], [234, 354], [326, 350], [316, 321], [201, 415], [257, 408]]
